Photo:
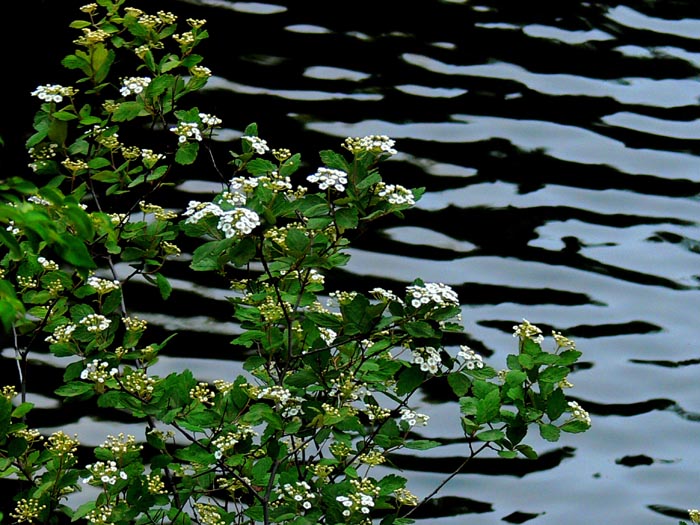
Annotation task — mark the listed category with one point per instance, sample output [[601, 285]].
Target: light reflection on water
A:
[[559, 150]]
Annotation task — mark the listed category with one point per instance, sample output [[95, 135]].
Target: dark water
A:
[[558, 142]]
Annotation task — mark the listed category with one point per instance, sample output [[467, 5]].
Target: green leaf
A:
[[187, 153], [491, 435], [468, 406], [74, 251], [261, 471], [568, 357], [346, 218], [64, 115], [553, 374], [260, 167], [575, 427], [127, 111], [422, 444], [527, 451], [420, 329], [549, 432], [164, 286], [334, 161], [83, 510], [22, 410], [410, 378], [241, 253], [459, 382], [297, 242], [290, 165], [508, 454], [74, 389], [556, 404], [489, 407]]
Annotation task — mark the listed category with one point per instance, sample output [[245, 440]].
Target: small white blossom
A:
[[579, 413], [53, 92], [526, 330], [95, 322], [134, 85], [471, 359], [187, 131], [209, 120], [259, 145], [329, 178]]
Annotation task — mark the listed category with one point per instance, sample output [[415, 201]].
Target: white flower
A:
[[258, 144], [53, 92], [187, 131], [472, 360], [329, 178], [209, 120], [134, 85]]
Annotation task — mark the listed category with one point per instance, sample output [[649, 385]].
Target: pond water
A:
[[559, 142]]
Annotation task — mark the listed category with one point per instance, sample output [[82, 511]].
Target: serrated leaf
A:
[[459, 383], [127, 111], [334, 161], [575, 427], [553, 374], [422, 444], [410, 378], [187, 153], [549, 432], [164, 286], [491, 435], [489, 407]]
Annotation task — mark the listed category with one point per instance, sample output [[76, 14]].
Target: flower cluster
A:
[[209, 514], [694, 515], [329, 178], [104, 473], [62, 444], [563, 342], [27, 510], [121, 445], [156, 485], [100, 515], [428, 358], [395, 194], [299, 493], [232, 223], [259, 145], [102, 286], [61, 334], [370, 143], [209, 120], [134, 324], [437, 293], [526, 330], [203, 393], [47, 264], [158, 212], [134, 85], [283, 398], [53, 92], [360, 500], [471, 359], [96, 371], [95, 322], [187, 131], [579, 413], [238, 222], [413, 418], [138, 383]]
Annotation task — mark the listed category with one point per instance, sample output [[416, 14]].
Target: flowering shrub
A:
[[330, 375]]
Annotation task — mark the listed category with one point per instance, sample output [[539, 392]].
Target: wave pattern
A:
[[559, 144]]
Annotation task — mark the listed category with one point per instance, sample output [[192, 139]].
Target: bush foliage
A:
[[325, 397]]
